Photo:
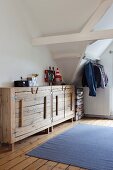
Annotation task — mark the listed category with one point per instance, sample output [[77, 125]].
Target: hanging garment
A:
[[94, 77], [84, 81], [90, 79], [104, 78], [97, 74]]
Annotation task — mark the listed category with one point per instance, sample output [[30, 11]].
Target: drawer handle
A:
[[21, 114], [45, 109], [56, 105], [37, 90], [34, 91], [71, 101]]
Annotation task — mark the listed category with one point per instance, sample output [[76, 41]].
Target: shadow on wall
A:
[[67, 68], [79, 73]]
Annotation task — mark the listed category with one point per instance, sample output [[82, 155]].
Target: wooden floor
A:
[[17, 160]]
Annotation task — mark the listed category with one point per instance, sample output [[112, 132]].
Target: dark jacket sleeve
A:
[[97, 73], [84, 81], [90, 77]]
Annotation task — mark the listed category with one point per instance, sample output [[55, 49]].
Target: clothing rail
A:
[[91, 60]]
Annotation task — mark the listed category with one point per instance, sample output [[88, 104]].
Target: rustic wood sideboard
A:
[[25, 111]]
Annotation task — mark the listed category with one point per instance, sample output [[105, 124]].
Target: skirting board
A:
[[99, 116]]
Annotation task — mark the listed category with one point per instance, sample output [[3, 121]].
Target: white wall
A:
[[17, 56], [102, 103], [67, 67]]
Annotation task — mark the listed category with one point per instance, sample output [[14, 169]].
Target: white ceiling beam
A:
[[98, 14], [77, 37]]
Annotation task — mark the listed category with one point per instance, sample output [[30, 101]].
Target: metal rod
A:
[[92, 60]]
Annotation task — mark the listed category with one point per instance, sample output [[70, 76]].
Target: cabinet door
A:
[[57, 103], [69, 101], [33, 110]]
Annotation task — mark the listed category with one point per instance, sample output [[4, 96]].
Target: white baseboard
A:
[[99, 116]]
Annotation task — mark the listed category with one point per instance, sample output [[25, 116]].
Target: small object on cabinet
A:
[[33, 80], [46, 75], [58, 77], [21, 83], [49, 76]]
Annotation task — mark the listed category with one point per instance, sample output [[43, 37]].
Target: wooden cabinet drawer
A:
[[59, 116], [23, 132], [32, 109], [31, 119]]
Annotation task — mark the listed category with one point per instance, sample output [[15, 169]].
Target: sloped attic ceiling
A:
[[95, 50], [55, 17]]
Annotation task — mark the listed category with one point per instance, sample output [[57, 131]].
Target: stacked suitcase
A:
[[79, 103]]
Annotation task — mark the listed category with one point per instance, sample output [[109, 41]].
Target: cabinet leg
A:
[[51, 129], [72, 120], [47, 130], [8, 146], [11, 147]]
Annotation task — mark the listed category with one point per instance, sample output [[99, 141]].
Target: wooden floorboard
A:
[[48, 166], [61, 166], [17, 160], [24, 163], [73, 168], [14, 162], [36, 165]]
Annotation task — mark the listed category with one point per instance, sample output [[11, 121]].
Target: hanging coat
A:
[[90, 79], [84, 81], [94, 77]]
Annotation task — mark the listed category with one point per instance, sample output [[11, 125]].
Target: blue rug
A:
[[85, 146]]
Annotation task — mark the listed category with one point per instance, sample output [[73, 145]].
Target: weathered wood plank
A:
[[29, 89], [32, 101], [24, 163], [13, 162], [36, 165], [73, 168], [32, 128], [8, 115], [60, 166], [48, 166]]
